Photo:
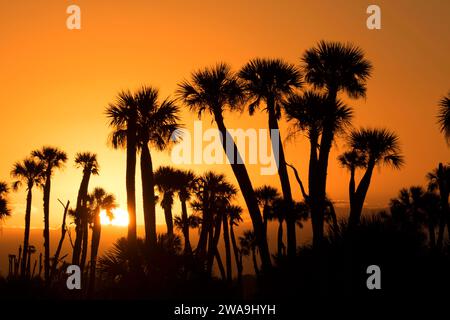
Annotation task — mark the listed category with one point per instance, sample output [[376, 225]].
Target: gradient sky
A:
[[55, 83]]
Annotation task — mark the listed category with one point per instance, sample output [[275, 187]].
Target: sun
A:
[[120, 218]]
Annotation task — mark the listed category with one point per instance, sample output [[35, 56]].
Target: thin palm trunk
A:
[[46, 201], [85, 239], [255, 262], [95, 242], [284, 180], [61, 241], [220, 265], [236, 251], [247, 190], [130, 183], [360, 195], [184, 217], [444, 216], [169, 219], [26, 237], [214, 240], [280, 239], [226, 240], [81, 218], [148, 195]]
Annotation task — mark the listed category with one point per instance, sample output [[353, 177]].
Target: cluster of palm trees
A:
[[308, 96]]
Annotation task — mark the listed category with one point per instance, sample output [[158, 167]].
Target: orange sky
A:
[[55, 83]]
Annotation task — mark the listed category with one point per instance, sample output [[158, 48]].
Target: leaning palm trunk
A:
[[359, 197], [226, 240], [61, 241], [96, 232], [284, 179], [26, 237], [148, 194], [247, 190], [212, 248]]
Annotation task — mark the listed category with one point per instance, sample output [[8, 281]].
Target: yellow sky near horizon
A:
[[56, 83]]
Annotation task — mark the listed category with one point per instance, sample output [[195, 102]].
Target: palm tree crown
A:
[[87, 161], [4, 210], [28, 171], [444, 116]]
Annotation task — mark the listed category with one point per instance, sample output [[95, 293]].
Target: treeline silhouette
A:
[[408, 242]]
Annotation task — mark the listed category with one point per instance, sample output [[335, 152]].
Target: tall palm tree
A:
[[444, 116], [166, 183], [269, 81], [235, 217], [4, 209], [186, 183], [216, 90], [52, 158], [310, 113], [30, 173], [123, 117], [99, 200], [248, 245], [88, 162], [369, 147], [266, 195], [334, 68], [439, 179]]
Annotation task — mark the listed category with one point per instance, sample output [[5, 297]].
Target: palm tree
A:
[[157, 125], [278, 212], [4, 209], [310, 113], [99, 200], [333, 67], [123, 117], [444, 116], [166, 183], [235, 217], [269, 81], [184, 224], [186, 183], [266, 195], [248, 245], [369, 147], [439, 179], [88, 162], [215, 90], [30, 173], [52, 158]]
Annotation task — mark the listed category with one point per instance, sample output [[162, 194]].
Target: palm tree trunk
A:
[[85, 241], [212, 249], [26, 237], [130, 184], [81, 219], [184, 217], [148, 196], [202, 241], [46, 201], [236, 253], [247, 190], [61, 241], [220, 265], [255, 262], [226, 240], [95, 242], [444, 217], [284, 180], [169, 220], [280, 239], [360, 196]]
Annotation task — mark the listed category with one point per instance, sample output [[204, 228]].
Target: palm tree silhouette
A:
[[248, 245], [266, 196], [30, 173], [184, 224], [215, 90], [123, 117], [4, 209], [444, 116], [99, 200], [186, 183], [439, 179], [235, 217], [52, 158], [88, 162], [369, 147], [166, 183], [269, 81], [333, 67]]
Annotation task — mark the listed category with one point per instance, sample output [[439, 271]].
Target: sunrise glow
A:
[[120, 218]]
